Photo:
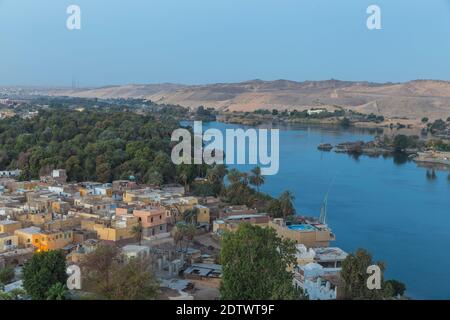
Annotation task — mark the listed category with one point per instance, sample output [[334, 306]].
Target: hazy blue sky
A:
[[204, 41]]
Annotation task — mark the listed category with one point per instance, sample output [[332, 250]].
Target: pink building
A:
[[153, 220]]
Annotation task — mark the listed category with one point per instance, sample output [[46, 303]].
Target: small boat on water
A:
[[325, 147]]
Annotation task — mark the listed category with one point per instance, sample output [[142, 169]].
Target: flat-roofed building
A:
[[53, 239], [8, 241], [312, 235], [133, 251], [28, 236], [203, 214], [152, 219], [231, 223], [9, 226]]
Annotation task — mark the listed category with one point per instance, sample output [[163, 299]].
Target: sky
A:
[[209, 41]]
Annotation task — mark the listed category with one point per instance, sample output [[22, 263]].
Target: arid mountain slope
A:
[[413, 100]]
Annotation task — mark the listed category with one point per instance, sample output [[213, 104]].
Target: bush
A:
[[6, 275]]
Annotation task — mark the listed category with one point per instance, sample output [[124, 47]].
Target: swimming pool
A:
[[302, 227]]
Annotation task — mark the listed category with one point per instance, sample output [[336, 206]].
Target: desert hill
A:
[[413, 100]]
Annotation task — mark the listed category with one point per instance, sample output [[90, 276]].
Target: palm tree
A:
[[178, 235], [190, 216], [286, 199], [234, 176], [137, 231], [257, 179], [190, 232], [57, 292]]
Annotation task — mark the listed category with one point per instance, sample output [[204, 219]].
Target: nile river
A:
[[390, 207]]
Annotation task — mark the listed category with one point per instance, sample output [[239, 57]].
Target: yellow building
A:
[[311, 235], [60, 206], [44, 240], [28, 236], [7, 241], [203, 215], [65, 223], [53, 240], [36, 219], [9, 226], [115, 231]]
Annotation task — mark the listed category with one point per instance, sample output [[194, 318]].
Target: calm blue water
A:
[[391, 209]]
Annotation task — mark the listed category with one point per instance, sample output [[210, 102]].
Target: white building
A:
[[317, 282], [13, 173], [134, 251]]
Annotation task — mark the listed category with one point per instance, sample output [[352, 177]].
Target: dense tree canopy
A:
[[255, 265], [42, 272], [110, 276], [354, 275], [90, 145]]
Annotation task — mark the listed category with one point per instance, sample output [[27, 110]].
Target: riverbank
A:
[[252, 119], [393, 208]]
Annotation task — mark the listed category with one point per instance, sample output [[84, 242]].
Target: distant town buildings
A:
[[53, 214]]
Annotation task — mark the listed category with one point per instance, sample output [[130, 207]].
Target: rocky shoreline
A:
[[377, 148]]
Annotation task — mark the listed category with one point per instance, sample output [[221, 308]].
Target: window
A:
[[8, 242], [160, 228]]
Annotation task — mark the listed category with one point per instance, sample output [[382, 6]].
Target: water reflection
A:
[[431, 175], [400, 158]]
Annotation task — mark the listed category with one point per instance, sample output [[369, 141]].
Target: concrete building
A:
[[328, 257], [152, 219], [203, 214], [28, 236], [44, 240], [318, 283], [134, 251], [311, 234], [8, 242], [9, 226], [231, 223]]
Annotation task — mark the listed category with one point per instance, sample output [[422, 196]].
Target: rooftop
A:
[[30, 230], [7, 222], [245, 216], [330, 253]]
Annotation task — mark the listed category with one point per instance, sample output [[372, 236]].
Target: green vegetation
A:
[[6, 275], [58, 291], [184, 232], [138, 231], [91, 145], [213, 185], [439, 145], [438, 125], [256, 179], [14, 294], [255, 265], [354, 275], [205, 114], [345, 123], [106, 274], [42, 272], [239, 192]]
